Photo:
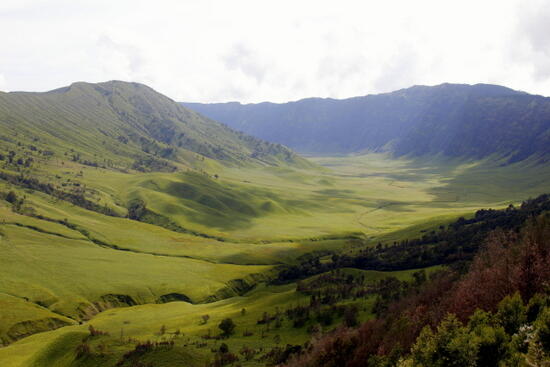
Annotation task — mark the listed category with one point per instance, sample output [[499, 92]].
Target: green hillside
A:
[[124, 126], [125, 219]]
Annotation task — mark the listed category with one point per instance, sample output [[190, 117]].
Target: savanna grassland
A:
[[239, 225], [135, 232]]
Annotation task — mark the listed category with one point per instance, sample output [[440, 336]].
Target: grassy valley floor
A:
[[208, 244]]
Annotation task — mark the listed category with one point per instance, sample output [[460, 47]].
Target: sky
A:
[[253, 51]]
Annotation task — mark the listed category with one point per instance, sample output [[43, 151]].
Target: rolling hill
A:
[[131, 227], [127, 125], [455, 120]]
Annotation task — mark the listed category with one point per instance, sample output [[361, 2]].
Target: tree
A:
[[224, 348], [350, 316], [136, 209], [535, 306], [451, 345], [511, 313], [247, 353], [543, 332], [491, 339], [419, 277], [227, 326], [11, 197]]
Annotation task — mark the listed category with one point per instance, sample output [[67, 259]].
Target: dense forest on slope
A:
[[497, 313], [125, 125], [452, 119]]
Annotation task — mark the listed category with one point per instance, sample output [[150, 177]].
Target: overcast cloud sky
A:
[[251, 51]]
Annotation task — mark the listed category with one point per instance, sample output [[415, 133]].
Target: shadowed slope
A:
[[454, 119]]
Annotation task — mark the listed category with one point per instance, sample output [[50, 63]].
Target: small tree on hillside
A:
[[11, 197], [350, 316], [136, 209], [227, 326]]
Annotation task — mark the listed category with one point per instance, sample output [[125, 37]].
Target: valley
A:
[[131, 227], [98, 262], [274, 184]]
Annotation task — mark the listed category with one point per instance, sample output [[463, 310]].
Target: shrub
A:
[[227, 326]]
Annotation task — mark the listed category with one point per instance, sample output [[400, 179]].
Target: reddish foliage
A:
[[507, 264], [533, 272], [334, 350], [489, 279]]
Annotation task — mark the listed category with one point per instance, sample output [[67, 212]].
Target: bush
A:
[[227, 326], [11, 197]]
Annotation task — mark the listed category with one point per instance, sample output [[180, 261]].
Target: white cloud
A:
[[534, 36], [251, 50], [3, 83]]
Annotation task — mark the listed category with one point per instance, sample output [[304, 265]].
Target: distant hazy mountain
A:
[[124, 121], [453, 119]]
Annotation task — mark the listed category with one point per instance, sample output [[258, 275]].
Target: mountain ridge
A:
[[131, 121], [414, 86], [409, 121]]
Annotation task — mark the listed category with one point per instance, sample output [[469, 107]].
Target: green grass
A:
[[83, 262], [144, 322], [36, 318], [117, 124], [151, 239], [232, 210], [372, 194], [67, 274], [378, 195]]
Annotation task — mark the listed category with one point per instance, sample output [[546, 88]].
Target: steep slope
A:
[[127, 123], [453, 119]]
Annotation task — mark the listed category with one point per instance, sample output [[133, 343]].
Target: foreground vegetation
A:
[[497, 313]]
